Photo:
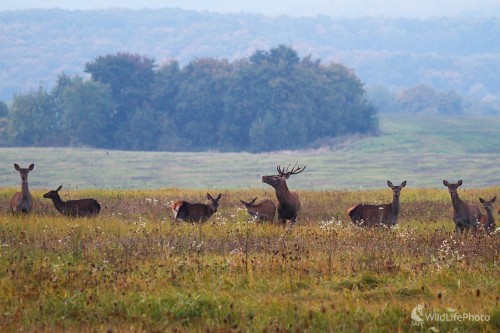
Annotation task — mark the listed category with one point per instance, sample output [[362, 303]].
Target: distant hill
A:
[[460, 54]]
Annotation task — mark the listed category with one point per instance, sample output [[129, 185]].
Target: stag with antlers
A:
[[288, 202]]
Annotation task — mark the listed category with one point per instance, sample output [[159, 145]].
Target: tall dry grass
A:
[[134, 269]]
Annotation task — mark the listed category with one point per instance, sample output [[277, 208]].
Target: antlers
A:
[[295, 170]]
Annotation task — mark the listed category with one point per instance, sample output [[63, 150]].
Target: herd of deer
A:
[[465, 216]]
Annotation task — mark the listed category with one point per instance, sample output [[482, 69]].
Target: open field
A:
[[422, 149], [132, 269]]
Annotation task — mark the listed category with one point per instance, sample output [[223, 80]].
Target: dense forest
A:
[[271, 100], [448, 54]]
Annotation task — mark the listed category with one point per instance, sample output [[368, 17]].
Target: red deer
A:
[[22, 202], [73, 208], [288, 202], [488, 221], [264, 210], [372, 215], [465, 216], [195, 212]]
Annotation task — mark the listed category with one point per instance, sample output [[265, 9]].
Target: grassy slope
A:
[[420, 149]]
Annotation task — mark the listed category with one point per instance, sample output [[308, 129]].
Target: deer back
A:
[[82, 207], [370, 215], [264, 210], [195, 212]]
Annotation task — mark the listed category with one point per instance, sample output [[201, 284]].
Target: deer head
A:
[[282, 175], [488, 205], [24, 171], [53, 194], [452, 187], [396, 189], [214, 202]]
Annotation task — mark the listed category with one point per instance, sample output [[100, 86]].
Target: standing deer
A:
[[264, 210], [195, 212], [73, 208], [288, 202], [488, 222], [465, 215], [22, 202], [371, 215]]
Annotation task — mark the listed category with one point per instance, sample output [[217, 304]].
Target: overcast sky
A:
[[334, 8]]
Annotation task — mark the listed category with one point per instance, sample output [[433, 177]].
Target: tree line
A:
[[271, 100]]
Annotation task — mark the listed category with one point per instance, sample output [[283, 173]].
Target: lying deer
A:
[[73, 208], [264, 210], [465, 216], [487, 221], [288, 202], [371, 215], [195, 212], [22, 202]]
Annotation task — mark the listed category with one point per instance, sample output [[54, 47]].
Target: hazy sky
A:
[[334, 8]]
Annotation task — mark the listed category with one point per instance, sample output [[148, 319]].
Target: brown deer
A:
[[372, 215], [195, 212], [487, 221], [73, 208], [288, 202], [264, 210], [22, 202], [465, 216]]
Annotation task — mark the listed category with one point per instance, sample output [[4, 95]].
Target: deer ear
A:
[[59, 188], [218, 197], [390, 184], [445, 183], [16, 166], [494, 198], [209, 197], [403, 184], [32, 166], [481, 200], [459, 183]]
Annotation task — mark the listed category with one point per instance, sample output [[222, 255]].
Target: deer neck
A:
[[59, 204], [24, 188], [490, 220], [282, 193], [457, 204], [395, 206]]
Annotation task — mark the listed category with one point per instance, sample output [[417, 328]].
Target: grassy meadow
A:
[[133, 269]]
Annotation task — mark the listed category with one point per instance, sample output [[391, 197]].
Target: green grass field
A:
[[423, 150], [133, 269]]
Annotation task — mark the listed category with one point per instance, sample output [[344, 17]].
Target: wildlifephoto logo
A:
[[418, 316]]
